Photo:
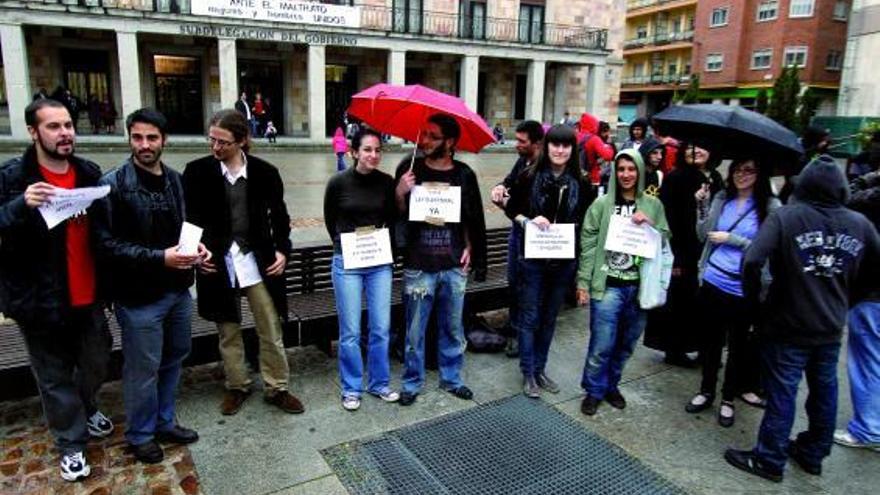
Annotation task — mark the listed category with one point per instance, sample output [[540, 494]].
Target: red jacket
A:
[[592, 148]]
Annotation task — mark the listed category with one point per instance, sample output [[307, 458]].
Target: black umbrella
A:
[[731, 132]]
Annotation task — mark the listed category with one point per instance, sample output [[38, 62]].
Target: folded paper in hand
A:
[[66, 203]]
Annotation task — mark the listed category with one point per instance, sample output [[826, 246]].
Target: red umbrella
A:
[[403, 110]]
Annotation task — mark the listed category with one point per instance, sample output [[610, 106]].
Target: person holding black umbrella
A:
[[672, 328]]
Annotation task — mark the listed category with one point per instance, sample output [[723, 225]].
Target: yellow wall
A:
[[679, 16]]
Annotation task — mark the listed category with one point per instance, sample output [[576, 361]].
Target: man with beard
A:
[[48, 283], [529, 134], [139, 225], [438, 257]]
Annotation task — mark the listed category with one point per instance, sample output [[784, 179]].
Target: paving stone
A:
[[9, 468], [34, 465], [189, 485]]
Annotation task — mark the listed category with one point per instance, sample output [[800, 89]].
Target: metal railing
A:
[[658, 39], [681, 78], [641, 4], [420, 23]]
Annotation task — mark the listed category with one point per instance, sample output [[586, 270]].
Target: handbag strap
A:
[[735, 223]]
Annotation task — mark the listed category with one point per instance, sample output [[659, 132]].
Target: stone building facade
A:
[[508, 59]]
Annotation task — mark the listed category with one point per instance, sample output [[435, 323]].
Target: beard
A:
[[148, 161], [438, 152], [52, 151]]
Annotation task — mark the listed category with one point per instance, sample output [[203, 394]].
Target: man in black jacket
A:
[[48, 283], [139, 226], [238, 199], [817, 249], [529, 136], [439, 255]]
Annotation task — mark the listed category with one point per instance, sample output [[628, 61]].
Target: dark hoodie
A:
[[632, 142], [652, 176], [818, 250]]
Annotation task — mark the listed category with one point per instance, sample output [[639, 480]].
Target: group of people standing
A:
[[126, 249], [822, 257]]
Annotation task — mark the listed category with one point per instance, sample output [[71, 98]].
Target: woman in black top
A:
[[356, 198], [671, 328], [550, 191]]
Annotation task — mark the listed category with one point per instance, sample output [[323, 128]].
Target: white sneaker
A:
[[99, 425], [387, 395], [74, 466], [843, 437], [351, 403]]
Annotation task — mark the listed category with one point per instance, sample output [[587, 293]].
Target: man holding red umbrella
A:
[[442, 247]]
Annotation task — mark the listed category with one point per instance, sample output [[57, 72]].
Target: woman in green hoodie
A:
[[610, 281]]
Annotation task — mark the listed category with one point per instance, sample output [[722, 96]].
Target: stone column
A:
[[227, 63], [288, 71], [396, 67], [469, 77], [316, 91], [535, 90], [129, 72], [15, 71], [596, 91]]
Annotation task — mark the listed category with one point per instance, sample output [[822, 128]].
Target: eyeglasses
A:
[[219, 142]]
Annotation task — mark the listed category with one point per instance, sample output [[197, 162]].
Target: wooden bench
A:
[[311, 316]]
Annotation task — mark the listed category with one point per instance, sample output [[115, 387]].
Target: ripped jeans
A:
[[421, 290]]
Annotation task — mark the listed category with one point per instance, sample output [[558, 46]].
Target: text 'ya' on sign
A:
[[435, 203], [295, 11]]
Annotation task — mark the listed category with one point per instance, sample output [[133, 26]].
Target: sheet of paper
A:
[[362, 250], [557, 242], [242, 267], [190, 236], [624, 236], [66, 203], [427, 203]]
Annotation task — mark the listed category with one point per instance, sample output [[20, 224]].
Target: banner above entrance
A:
[[293, 11]]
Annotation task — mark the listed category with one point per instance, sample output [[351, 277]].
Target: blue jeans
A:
[[340, 162], [783, 367], [616, 323], [863, 365], [350, 286], [422, 290], [156, 338], [513, 250], [542, 287]]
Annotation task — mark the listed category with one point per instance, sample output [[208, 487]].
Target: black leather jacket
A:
[[33, 259], [133, 264]]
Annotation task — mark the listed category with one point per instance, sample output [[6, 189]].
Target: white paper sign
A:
[[190, 236], [66, 203], [557, 242], [624, 236], [366, 249], [435, 203], [297, 11]]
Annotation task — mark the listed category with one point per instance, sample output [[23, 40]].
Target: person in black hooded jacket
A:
[[817, 249]]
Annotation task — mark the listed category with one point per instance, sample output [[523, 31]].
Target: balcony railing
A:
[[641, 4], [658, 79], [432, 24], [658, 39]]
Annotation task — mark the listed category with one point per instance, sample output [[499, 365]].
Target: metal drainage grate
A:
[[511, 446]]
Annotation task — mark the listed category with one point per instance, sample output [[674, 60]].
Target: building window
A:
[[841, 11], [714, 62], [719, 17], [834, 61], [639, 70], [531, 23], [761, 59], [767, 10], [407, 16], [691, 22], [672, 69], [642, 32], [473, 20], [801, 8], [795, 55]]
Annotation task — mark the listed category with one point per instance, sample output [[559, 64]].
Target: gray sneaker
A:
[[547, 384], [530, 388]]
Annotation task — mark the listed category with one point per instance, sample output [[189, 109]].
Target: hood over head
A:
[[822, 183], [588, 123], [640, 165], [648, 145], [640, 122]]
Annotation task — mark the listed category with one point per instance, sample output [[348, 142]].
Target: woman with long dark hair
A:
[[547, 192], [361, 196], [727, 227], [672, 328]]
